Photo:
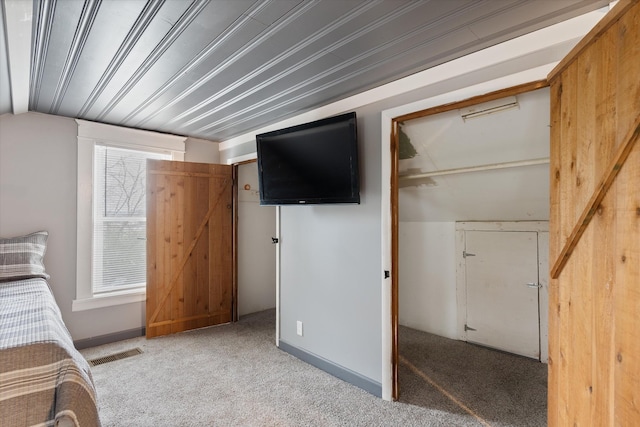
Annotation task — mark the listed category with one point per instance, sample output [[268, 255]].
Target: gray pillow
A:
[[23, 257]]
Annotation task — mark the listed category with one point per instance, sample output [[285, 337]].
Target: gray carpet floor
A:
[[233, 375]]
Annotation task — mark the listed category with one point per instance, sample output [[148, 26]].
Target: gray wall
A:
[[38, 163], [331, 270]]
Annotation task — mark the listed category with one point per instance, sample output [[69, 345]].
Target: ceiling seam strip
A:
[[539, 19], [274, 61], [167, 41], [507, 31], [88, 16], [235, 137], [299, 65], [305, 94], [338, 67], [201, 57], [362, 31], [227, 33], [318, 89], [143, 21], [40, 48], [351, 61], [302, 95]]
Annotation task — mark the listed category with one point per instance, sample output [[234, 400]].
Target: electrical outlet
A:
[[299, 328]]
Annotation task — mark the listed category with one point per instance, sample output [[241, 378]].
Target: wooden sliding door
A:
[[594, 312], [189, 246]]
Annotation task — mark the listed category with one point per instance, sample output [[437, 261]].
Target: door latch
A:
[[274, 240], [534, 285]]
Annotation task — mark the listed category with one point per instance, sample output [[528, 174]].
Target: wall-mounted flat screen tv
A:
[[312, 163]]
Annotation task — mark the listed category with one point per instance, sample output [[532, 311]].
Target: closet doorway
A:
[[256, 252], [483, 159]]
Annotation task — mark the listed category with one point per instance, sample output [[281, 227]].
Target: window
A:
[[119, 218], [111, 253]]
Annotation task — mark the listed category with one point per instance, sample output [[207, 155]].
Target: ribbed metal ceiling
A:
[[216, 69]]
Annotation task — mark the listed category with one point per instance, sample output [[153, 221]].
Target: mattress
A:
[[44, 380]]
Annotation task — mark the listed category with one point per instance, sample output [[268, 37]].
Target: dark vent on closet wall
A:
[[113, 357]]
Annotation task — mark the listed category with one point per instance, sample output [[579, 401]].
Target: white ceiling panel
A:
[[214, 69]]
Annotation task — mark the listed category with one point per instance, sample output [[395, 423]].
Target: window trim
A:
[[89, 135]]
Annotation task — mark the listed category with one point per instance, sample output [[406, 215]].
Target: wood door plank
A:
[[152, 244], [220, 290], [585, 182], [158, 220], [163, 311], [555, 167], [202, 253], [580, 369], [627, 47], [214, 229], [603, 276], [627, 294], [580, 306], [568, 154], [627, 256], [189, 272], [177, 245], [603, 280]]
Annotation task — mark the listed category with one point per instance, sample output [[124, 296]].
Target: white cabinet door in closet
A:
[[502, 291]]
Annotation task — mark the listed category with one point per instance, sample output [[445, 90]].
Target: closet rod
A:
[[493, 166]]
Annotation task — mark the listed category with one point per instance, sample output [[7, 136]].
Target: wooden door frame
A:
[[234, 244], [235, 254], [234, 239], [394, 220]]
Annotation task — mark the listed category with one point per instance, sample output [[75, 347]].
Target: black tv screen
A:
[[313, 163]]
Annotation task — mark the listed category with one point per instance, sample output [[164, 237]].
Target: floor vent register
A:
[[113, 357]]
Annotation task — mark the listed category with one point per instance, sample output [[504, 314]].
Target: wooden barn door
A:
[[594, 248], [189, 246]]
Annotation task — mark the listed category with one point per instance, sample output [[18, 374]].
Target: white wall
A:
[[427, 277], [38, 181], [201, 151], [256, 253]]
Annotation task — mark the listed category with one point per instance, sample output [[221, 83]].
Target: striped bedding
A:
[[44, 381]]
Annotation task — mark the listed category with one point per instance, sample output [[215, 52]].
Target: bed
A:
[[44, 380]]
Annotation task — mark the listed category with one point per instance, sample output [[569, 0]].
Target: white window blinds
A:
[[119, 218]]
